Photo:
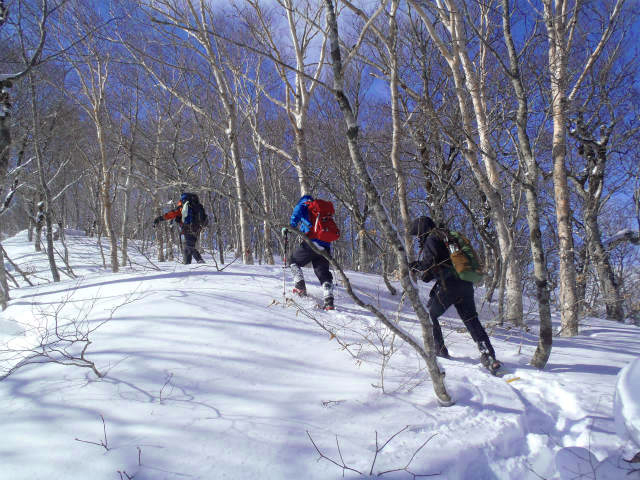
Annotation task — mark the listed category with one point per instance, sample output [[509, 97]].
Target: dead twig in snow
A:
[[103, 443]]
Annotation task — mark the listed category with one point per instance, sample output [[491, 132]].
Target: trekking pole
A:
[[284, 268]]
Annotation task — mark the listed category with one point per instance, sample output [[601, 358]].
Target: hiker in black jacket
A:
[[434, 263]]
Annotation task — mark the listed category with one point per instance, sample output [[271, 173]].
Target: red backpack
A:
[[321, 217]]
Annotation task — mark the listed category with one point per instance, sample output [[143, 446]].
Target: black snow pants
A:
[[189, 249], [303, 255], [458, 293]]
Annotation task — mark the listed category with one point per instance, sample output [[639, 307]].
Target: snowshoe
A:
[[490, 364], [300, 289]]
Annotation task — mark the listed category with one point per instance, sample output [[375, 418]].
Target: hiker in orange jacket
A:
[[189, 214]]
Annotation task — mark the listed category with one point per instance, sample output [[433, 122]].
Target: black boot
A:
[[328, 303], [488, 359], [300, 288]]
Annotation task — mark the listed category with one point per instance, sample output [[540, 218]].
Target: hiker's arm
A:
[[172, 214], [299, 216], [433, 253]]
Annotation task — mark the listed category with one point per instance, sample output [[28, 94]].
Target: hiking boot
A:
[[490, 363], [300, 288], [328, 303]]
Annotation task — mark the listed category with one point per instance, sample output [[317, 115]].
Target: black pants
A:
[[303, 255], [459, 294], [189, 248]]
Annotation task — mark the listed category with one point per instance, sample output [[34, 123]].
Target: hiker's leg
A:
[[466, 308], [321, 267], [300, 257], [437, 305], [189, 247]]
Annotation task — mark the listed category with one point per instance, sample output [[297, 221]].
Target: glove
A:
[[157, 220], [285, 231]]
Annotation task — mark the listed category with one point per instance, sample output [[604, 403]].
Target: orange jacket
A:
[[176, 213]]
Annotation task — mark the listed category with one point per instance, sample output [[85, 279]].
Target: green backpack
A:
[[464, 258]]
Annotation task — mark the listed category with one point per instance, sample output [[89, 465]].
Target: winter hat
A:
[[421, 226]]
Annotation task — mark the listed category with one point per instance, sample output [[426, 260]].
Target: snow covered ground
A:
[[209, 376]]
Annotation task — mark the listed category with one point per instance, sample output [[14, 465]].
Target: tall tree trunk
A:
[[125, 209], [540, 273], [105, 191], [43, 182], [373, 198], [241, 192], [599, 256], [268, 251], [401, 183], [556, 33], [5, 145]]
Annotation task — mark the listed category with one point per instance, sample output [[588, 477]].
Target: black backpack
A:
[[198, 215]]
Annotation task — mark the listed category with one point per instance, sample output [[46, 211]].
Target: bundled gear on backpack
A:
[[462, 257], [193, 213]]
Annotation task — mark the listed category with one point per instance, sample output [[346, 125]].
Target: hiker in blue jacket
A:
[[303, 254]]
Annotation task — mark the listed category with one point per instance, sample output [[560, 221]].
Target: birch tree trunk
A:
[[125, 207], [590, 188], [105, 187], [266, 225], [561, 19], [540, 273], [373, 198], [457, 57], [44, 187], [555, 21], [401, 183]]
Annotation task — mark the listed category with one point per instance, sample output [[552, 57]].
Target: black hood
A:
[[421, 226]]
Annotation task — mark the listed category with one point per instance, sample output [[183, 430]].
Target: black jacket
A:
[[433, 261]]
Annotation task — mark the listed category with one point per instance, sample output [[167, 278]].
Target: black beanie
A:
[[421, 226]]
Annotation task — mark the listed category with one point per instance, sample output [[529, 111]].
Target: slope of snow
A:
[[208, 375], [627, 402]]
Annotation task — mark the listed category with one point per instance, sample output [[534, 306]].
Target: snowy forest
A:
[[515, 122]]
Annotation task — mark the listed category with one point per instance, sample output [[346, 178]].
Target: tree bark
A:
[[556, 32], [489, 179], [540, 273], [373, 198]]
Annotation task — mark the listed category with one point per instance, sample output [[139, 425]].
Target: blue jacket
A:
[[300, 220]]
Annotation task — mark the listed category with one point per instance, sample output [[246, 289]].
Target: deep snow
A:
[[209, 376]]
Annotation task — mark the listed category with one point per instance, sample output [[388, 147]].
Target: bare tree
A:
[[91, 65], [6, 82], [531, 173], [561, 20], [373, 198], [303, 29], [590, 186], [469, 78], [198, 22]]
